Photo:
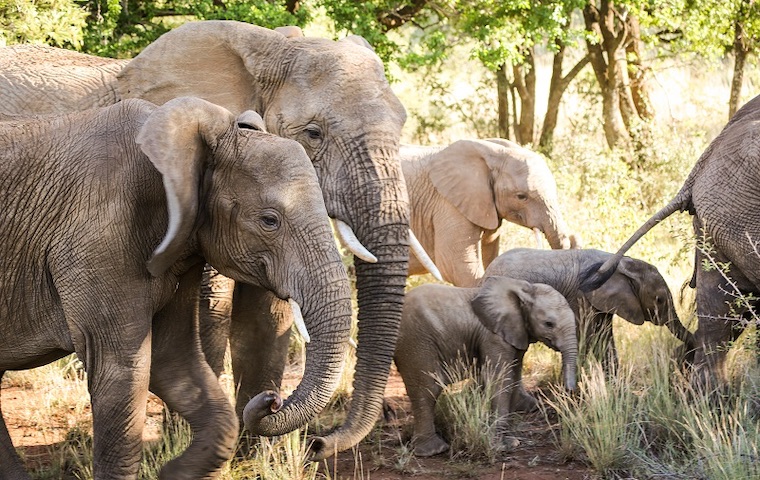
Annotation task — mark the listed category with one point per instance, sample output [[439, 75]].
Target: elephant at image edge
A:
[[722, 194], [459, 195], [494, 325], [110, 217], [636, 292], [330, 96]]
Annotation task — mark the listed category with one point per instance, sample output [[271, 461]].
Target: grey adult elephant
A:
[[636, 292], [493, 324], [460, 194], [333, 98], [109, 216], [723, 195]]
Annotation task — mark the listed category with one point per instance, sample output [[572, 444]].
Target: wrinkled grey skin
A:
[[636, 292], [460, 194], [723, 195], [494, 325], [333, 98], [88, 198]]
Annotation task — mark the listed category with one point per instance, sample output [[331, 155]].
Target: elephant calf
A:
[[494, 325], [636, 292]]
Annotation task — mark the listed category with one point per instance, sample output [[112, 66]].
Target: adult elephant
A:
[[636, 292], [109, 216], [333, 98], [460, 194], [723, 195]]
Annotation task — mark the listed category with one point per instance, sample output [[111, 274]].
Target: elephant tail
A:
[[595, 276]]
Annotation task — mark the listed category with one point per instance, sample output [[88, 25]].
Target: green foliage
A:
[[53, 22]]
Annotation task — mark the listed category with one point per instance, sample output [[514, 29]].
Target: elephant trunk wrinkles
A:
[[380, 297], [557, 232], [569, 353], [328, 320]]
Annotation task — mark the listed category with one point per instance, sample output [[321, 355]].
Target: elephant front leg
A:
[[259, 341], [184, 380], [10, 463], [215, 313]]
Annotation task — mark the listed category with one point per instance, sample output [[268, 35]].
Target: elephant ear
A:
[[178, 137], [461, 175], [359, 40], [620, 294], [201, 59], [501, 305]]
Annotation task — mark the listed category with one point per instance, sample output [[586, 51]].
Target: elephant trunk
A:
[[380, 295], [569, 351], [327, 317], [557, 232]]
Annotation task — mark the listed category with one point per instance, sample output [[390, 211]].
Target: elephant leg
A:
[[10, 463], [259, 340], [118, 373], [189, 387], [215, 312], [717, 327], [423, 390]]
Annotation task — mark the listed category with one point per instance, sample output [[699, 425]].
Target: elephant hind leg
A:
[[10, 463]]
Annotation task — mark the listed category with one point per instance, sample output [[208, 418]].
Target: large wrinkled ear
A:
[[177, 138], [211, 60], [620, 294], [500, 305], [461, 175]]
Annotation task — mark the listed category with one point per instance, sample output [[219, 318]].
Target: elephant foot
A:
[[430, 445], [525, 402], [263, 404]]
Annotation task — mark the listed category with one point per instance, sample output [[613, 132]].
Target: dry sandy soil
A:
[[535, 458]]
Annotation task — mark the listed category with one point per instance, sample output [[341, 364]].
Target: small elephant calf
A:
[[492, 324]]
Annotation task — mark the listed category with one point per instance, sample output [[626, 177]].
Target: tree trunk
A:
[[557, 88], [601, 22], [740, 58], [637, 73], [525, 84], [502, 92]]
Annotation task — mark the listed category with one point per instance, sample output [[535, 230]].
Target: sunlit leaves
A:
[[52, 22]]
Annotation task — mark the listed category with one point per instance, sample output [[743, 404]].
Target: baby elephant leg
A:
[[423, 391]]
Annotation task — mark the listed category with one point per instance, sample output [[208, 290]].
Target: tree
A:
[[53, 22]]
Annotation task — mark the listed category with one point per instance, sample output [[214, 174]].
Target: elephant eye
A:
[[313, 132], [270, 221], [521, 196], [549, 324]]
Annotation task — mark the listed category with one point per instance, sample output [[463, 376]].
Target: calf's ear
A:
[[501, 306], [178, 138]]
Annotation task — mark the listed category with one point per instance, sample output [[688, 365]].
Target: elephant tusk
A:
[[423, 257], [298, 320], [349, 240], [539, 239], [352, 343]]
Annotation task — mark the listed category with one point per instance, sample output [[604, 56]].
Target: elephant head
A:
[[497, 179], [637, 292], [253, 202], [522, 313], [333, 98]]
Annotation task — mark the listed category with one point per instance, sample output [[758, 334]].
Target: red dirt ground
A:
[[535, 458]]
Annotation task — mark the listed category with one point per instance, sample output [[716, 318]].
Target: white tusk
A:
[[539, 239], [423, 257], [352, 342], [349, 240], [298, 320]]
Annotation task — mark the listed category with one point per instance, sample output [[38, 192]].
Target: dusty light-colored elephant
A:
[[493, 324], [330, 96], [460, 194], [109, 216], [723, 195]]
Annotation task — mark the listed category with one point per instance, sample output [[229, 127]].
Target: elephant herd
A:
[[159, 209]]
